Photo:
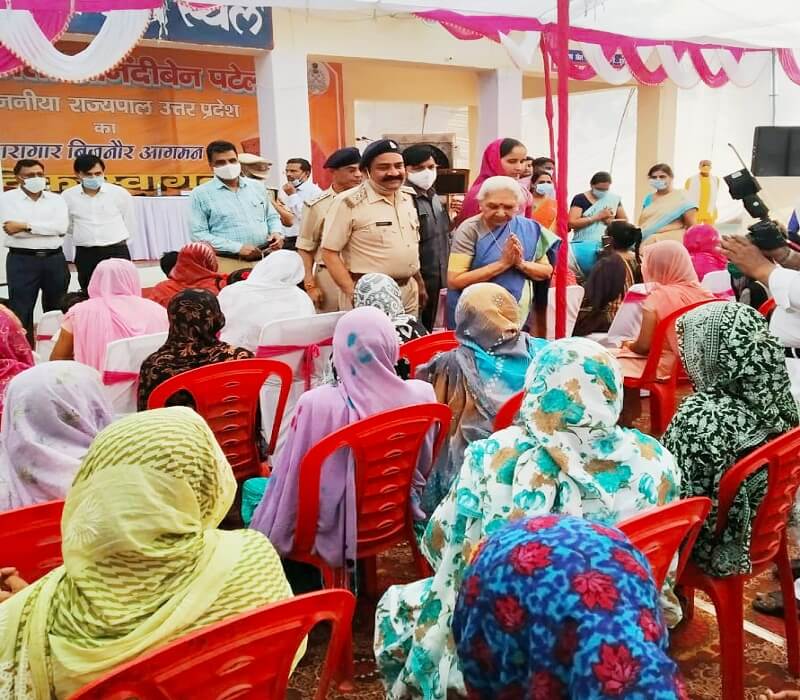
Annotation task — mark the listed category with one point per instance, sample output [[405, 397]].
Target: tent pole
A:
[[562, 61]]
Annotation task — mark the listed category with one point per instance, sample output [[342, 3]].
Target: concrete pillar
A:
[[284, 126], [499, 107], [656, 121]]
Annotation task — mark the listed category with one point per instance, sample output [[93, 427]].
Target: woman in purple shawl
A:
[[365, 352]]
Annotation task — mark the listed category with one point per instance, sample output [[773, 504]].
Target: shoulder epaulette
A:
[[356, 197], [319, 198]]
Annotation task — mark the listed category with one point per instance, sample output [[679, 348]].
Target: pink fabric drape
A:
[[53, 21], [310, 353], [115, 310], [560, 39], [84, 5], [789, 64], [110, 377]]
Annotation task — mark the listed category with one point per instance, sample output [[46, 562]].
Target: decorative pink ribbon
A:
[[310, 353], [44, 337], [634, 298], [111, 377]]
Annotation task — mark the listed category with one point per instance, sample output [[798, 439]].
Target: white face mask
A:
[[34, 185], [228, 172], [423, 179]]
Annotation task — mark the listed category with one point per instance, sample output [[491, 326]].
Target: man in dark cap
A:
[[434, 226], [375, 228], [345, 174]]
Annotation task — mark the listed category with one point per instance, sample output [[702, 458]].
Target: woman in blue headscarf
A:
[[558, 608], [499, 245]]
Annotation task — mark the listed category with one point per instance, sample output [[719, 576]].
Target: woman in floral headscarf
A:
[[564, 609], [381, 292], [565, 454], [742, 399]]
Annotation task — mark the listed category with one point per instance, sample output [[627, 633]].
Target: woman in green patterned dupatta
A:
[[565, 454], [144, 561], [742, 399]]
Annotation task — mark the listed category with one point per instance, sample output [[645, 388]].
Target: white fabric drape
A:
[[682, 72], [523, 53], [593, 53], [746, 71], [119, 34]]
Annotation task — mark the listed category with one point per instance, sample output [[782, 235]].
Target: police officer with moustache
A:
[[319, 285], [375, 228]]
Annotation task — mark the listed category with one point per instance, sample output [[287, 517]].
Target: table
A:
[[162, 224]]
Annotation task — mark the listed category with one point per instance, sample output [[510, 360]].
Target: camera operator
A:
[[777, 269]]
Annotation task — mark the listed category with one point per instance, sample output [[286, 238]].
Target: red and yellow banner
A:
[[149, 119]]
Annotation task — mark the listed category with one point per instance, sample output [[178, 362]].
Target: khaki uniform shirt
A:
[[374, 233], [314, 214]]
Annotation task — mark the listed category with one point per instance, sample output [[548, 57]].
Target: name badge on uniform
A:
[[383, 223]]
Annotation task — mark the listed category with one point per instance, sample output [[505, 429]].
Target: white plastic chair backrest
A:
[[125, 357], [628, 321], [718, 282], [47, 333], [294, 331], [574, 298]]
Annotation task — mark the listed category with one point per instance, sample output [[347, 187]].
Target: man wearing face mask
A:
[[298, 190], [703, 188], [375, 228], [101, 217], [319, 285], [434, 226], [545, 164], [257, 168], [35, 222], [233, 213]]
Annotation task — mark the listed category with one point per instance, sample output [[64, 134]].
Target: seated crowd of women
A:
[[501, 515], [148, 492]]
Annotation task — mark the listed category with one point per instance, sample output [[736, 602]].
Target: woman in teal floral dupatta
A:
[[565, 454]]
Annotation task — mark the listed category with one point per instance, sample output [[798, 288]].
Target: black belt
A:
[[792, 352], [37, 253], [110, 245]]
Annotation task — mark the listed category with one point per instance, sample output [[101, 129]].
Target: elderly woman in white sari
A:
[[270, 293]]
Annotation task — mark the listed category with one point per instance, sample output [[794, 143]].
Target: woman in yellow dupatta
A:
[[667, 212], [144, 562]]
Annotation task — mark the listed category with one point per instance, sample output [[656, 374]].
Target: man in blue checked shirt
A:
[[233, 213]]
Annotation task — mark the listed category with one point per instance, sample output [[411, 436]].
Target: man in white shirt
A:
[[777, 270], [101, 217], [298, 190], [35, 222]]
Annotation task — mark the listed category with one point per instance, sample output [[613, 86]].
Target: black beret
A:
[[343, 157], [378, 148]]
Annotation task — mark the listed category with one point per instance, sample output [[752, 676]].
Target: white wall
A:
[[594, 120], [373, 119]]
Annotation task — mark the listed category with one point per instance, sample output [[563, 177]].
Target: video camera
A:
[[765, 233]]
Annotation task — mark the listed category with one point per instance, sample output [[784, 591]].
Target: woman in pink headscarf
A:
[[501, 157], [672, 282], [15, 353], [365, 352], [702, 241], [115, 310]]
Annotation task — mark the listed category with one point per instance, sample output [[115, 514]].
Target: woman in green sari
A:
[[565, 454], [742, 399]]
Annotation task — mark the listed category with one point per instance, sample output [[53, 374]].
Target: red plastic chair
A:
[[767, 307], [385, 449], [227, 396], [659, 532], [768, 546], [422, 350], [247, 656], [662, 392], [30, 539], [508, 411]]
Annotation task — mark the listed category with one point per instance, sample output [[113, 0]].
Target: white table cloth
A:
[[162, 224]]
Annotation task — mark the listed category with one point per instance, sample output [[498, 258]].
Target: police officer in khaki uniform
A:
[[345, 174], [374, 228]]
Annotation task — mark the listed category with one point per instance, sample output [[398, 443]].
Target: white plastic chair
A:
[[47, 333], [719, 284], [628, 321], [574, 298], [121, 371], [314, 333]]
